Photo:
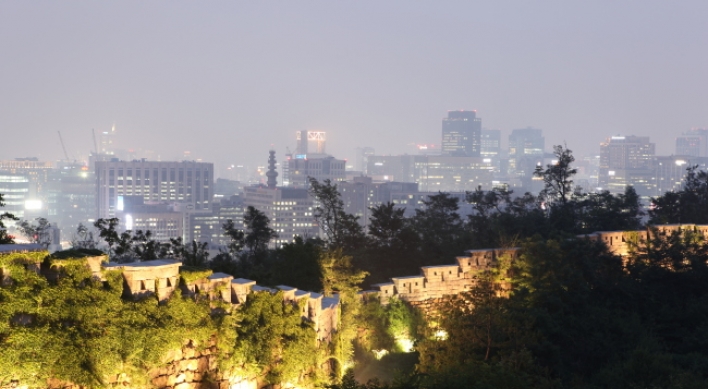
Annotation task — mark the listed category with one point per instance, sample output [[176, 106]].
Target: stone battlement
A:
[[161, 277], [435, 282]]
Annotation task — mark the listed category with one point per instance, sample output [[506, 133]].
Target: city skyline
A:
[[228, 81]]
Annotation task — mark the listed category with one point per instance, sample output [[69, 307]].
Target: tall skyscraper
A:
[[461, 134], [627, 160], [526, 151], [307, 163], [289, 209], [693, 143], [362, 157], [189, 183]]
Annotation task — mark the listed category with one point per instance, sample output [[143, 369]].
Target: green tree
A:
[[108, 231], [236, 237], [440, 228], [5, 238], [297, 264], [83, 238], [558, 190], [145, 248], [194, 254], [36, 232], [689, 205], [342, 230], [341, 278], [258, 232], [273, 340], [388, 227]]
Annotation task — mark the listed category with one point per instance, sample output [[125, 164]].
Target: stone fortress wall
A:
[[185, 368], [435, 282], [188, 367], [161, 277]]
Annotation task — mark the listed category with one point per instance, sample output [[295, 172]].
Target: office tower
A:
[[491, 143], [362, 193], [71, 197], [163, 220], [298, 168], [15, 189], [491, 148], [107, 141], [208, 228], [362, 157], [37, 172], [290, 210], [310, 142], [189, 183], [693, 143], [671, 171], [461, 134], [627, 160], [526, 151], [433, 172]]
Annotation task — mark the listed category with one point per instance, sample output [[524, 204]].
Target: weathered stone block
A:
[[160, 382], [204, 365], [192, 364]]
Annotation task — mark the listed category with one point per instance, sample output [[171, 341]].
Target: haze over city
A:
[[230, 80]]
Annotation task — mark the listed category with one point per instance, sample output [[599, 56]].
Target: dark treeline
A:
[[577, 316]]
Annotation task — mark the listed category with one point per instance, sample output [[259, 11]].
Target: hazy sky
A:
[[225, 80]]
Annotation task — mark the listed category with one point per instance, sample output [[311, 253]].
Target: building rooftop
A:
[[242, 281], [11, 248], [150, 263], [217, 276]]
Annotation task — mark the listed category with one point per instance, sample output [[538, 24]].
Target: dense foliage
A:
[[75, 328], [5, 238], [80, 330]]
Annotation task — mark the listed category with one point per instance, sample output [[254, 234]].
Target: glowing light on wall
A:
[[440, 335]]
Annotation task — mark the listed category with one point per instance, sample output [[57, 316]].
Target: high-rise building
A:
[[627, 160], [189, 183], [491, 143], [433, 172], [107, 141], [693, 143], [290, 210], [310, 161], [461, 134], [362, 157], [300, 170], [671, 171], [526, 151], [71, 197], [362, 193], [208, 228], [15, 189], [310, 142], [491, 148]]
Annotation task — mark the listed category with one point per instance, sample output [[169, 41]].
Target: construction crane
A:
[[63, 147], [95, 145]]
